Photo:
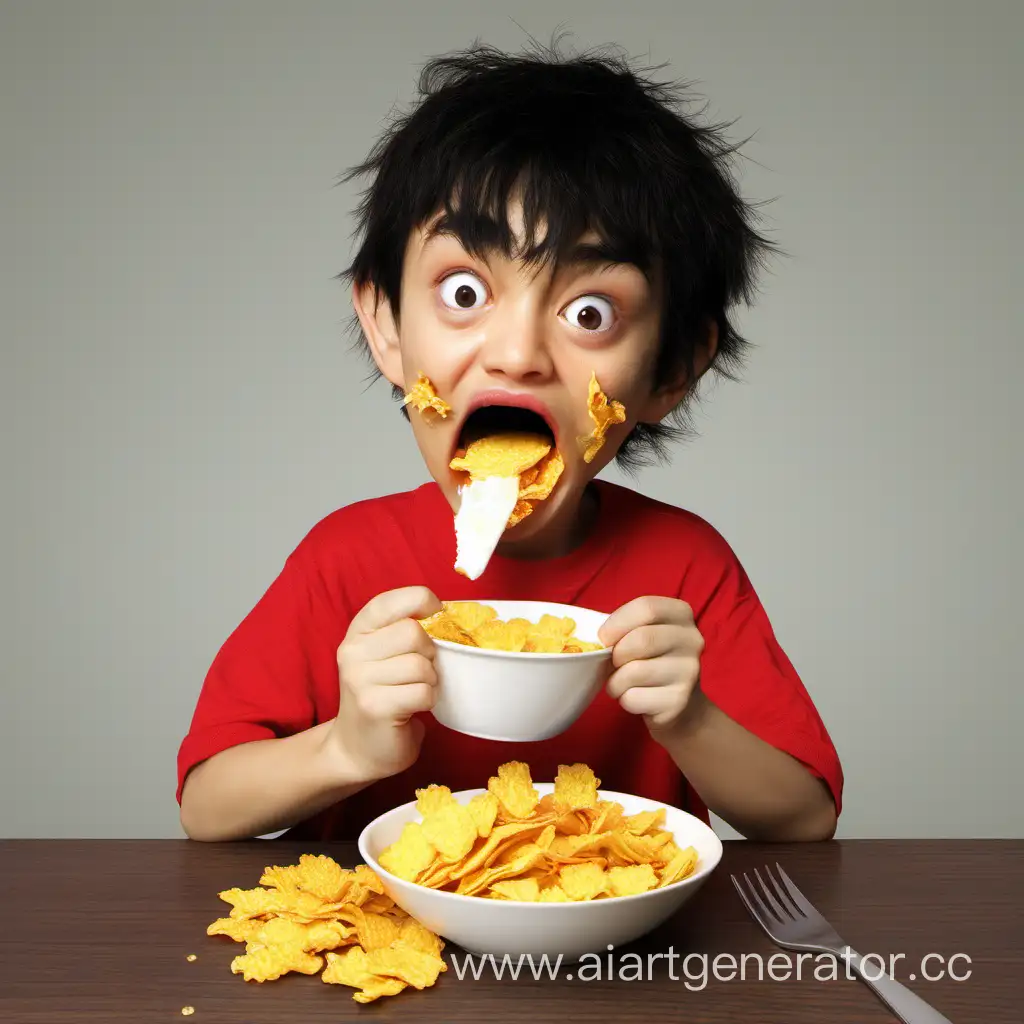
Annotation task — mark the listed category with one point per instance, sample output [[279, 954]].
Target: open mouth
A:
[[488, 420]]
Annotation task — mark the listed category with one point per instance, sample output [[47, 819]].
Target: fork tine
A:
[[782, 910], [751, 909], [784, 897], [800, 901], [769, 914]]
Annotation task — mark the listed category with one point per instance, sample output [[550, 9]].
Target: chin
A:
[[544, 512]]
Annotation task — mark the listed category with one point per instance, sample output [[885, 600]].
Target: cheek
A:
[[618, 378], [422, 341]]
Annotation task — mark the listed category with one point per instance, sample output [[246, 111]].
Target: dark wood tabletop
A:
[[98, 930]]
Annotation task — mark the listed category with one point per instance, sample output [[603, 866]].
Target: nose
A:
[[516, 346]]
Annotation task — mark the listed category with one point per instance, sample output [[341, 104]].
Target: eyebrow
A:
[[482, 235]]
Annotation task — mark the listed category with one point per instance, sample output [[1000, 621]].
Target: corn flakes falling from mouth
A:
[[507, 474], [423, 396], [501, 455], [605, 415]]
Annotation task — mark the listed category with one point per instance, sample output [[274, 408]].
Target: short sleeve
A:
[[260, 684], [746, 673]]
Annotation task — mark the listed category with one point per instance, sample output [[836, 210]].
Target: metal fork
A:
[[790, 921]]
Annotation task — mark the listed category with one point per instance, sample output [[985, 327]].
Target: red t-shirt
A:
[[277, 674]]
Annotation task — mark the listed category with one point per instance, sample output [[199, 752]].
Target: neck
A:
[[565, 531]]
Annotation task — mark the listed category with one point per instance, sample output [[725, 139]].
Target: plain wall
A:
[[181, 402]]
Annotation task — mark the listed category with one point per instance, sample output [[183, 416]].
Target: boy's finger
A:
[[640, 675], [404, 670], [392, 605], [643, 611], [645, 642], [405, 636]]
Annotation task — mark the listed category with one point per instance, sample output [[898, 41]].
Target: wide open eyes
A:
[[590, 313], [463, 290]]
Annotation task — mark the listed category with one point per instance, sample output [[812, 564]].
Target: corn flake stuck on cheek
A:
[[605, 414], [423, 397]]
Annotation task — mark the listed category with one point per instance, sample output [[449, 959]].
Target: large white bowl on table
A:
[[567, 930], [514, 695]]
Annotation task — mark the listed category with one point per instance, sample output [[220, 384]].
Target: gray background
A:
[[180, 403]]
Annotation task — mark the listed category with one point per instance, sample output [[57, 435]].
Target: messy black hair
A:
[[587, 143]]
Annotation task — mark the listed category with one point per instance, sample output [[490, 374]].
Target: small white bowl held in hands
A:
[[567, 930], [520, 696]]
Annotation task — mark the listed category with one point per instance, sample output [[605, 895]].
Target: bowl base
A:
[[553, 960], [533, 738]]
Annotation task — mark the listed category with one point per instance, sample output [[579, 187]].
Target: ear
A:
[[381, 331], [666, 397]]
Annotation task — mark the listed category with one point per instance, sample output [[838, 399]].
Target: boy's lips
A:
[[507, 399]]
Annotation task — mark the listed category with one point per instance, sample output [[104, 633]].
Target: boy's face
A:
[[480, 328]]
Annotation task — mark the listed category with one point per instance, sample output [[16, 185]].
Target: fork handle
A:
[[910, 1008]]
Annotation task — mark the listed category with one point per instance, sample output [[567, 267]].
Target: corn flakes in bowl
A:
[[516, 670], [524, 869]]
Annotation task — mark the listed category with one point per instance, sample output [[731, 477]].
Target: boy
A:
[[535, 223]]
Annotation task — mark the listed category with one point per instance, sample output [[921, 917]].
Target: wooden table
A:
[[99, 931]]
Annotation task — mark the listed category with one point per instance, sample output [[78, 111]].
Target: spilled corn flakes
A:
[[477, 625], [510, 843], [316, 917]]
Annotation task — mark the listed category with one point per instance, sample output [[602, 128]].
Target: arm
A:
[[762, 792], [733, 717], [266, 785], [252, 786]]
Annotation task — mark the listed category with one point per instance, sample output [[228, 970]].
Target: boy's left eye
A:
[[590, 313], [463, 290]]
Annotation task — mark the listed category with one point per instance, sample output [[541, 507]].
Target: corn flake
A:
[[484, 809], [605, 415], [501, 455], [514, 789], [568, 846], [630, 879], [268, 963], [410, 855], [423, 397], [575, 786], [530, 457], [313, 912], [477, 625]]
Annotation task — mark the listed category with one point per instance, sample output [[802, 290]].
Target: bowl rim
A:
[[487, 652], [603, 653], [702, 872]]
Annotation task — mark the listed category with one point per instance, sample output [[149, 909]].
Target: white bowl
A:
[[567, 930], [519, 696]]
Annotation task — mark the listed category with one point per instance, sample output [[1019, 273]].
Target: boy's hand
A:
[[386, 670], [656, 660]]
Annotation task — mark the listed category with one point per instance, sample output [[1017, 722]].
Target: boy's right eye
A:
[[463, 290]]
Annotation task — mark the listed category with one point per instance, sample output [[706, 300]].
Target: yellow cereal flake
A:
[[316, 913], [569, 846], [575, 787], [477, 625], [605, 415], [423, 397], [514, 789]]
